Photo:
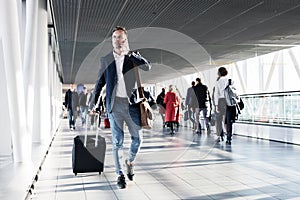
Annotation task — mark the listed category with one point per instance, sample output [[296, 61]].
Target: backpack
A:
[[230, 94], [232, 97]]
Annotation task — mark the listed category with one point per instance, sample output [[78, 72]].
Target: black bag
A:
[[186, 115], [241, 104], [88, 154]]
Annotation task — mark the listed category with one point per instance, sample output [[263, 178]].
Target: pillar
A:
[[42, 101], [5, 142], [29, 59], [10, 34]]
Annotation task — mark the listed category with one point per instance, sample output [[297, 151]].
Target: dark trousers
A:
[[229, 120], [72, 115]]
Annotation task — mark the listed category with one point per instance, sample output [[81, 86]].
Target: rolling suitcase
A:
[[88, 153]]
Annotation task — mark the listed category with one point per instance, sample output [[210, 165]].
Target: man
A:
[[71, 103], [83, 105], [190, 109], [116, 72], [161, 105], [201, 101]]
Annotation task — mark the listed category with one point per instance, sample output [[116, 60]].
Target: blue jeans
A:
[[83, 111], [122, 113], [72, 115]]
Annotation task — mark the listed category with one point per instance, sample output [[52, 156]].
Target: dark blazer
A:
[[201, 97], [71, 100], [108, 75]]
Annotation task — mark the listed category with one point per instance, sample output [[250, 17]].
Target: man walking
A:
[[117, 73], [201, 101], [71, 103]]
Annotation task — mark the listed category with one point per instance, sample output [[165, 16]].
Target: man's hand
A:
[[217, 109]]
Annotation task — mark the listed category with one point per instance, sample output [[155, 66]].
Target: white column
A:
[[51, 87], [22, 18], [5, 142], [29, 60], [42, 74], [10, 32]]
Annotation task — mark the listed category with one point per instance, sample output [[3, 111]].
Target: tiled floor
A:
[[185, 166]]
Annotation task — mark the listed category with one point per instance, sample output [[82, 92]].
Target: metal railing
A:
[[276, 108]]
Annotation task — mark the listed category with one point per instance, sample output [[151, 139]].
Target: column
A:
[[5, 142], [29, 59], [10, 34], [42, 106]]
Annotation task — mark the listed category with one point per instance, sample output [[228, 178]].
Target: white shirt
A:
[[219, 88], [120, 89]]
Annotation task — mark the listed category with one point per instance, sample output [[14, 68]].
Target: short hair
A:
[[198, 80], [120, 28], [193, 83], [222, 71]]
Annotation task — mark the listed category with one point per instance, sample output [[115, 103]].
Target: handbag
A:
[[146, 110], [186, 115], [146, 115]]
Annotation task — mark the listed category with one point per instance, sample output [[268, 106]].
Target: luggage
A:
[[88, 153], [106, 123]]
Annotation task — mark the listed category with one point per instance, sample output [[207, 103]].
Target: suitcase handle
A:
[[86, 132]]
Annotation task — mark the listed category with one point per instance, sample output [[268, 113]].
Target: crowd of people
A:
[[77, 103], [200, 104]]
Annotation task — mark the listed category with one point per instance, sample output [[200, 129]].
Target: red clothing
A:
[[172, 102]]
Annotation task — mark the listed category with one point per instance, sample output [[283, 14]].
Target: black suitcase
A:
[[88, 153]]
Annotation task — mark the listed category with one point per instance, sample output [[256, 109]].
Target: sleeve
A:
[[140, 61], [216, 93], [187, 99], [66, 100], [209, 98], [75, 96], [166, 98]]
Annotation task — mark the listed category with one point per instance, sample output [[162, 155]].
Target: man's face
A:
[[119, 39], [72, 87]]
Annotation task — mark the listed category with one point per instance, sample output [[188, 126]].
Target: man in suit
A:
[[190, 92], [71, 103], [116, 72], [201, 101]]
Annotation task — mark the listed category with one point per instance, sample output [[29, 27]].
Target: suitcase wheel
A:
[[75, 174], [99, 173]]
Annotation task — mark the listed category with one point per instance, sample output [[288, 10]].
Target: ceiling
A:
[[179, 37]]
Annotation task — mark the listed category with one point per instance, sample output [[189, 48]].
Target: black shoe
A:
[[208, 131], [129, 168], [228, 142], [121, 182]]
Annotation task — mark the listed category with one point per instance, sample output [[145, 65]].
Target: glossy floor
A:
[[183, 166]]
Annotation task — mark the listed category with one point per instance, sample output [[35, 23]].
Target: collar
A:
[[116, 56]]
